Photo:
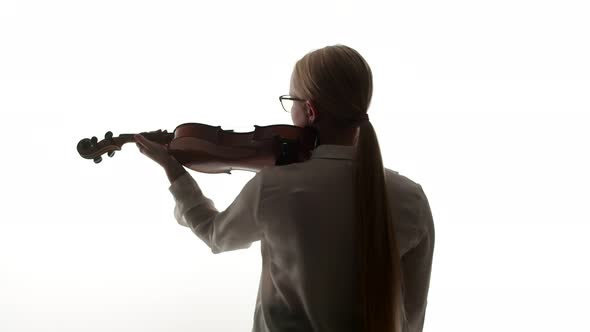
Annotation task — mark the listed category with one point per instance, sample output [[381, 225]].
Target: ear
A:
[[312, 113]]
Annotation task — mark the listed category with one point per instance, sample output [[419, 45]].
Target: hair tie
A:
[[361, 119]]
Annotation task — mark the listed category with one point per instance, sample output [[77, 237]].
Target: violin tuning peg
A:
[[93, 140], [111, 153], [97, 160], [108, 135]]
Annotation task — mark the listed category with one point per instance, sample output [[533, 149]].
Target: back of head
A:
[[339, 82]]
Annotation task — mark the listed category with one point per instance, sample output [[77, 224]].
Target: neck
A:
[[337, 137]]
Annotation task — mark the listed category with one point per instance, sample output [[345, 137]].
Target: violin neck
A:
[[156, 136]]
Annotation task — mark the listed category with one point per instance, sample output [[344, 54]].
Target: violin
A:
[[210, 149]]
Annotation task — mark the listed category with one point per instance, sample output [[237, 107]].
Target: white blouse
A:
[[303, 215]]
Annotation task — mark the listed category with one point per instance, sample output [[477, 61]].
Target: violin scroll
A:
[[91, 148]]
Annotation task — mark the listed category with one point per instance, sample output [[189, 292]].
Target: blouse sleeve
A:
[[237, 227], [417, 267]]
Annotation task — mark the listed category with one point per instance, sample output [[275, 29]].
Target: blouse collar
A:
[[330, 151]]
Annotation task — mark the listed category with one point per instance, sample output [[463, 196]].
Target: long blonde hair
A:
[[339, 82]]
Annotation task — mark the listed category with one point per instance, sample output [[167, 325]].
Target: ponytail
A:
[[339, 81], [380, 277]]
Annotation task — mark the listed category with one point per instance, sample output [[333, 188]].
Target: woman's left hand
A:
[[155, 151]]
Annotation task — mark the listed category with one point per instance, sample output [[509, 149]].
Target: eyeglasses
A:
[[288, 101]]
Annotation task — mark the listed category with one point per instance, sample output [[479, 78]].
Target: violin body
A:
[[209, 149]]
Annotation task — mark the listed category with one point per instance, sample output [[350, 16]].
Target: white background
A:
[[483, 103]]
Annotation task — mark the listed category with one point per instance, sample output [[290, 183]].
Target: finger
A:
[[145, 142], [140, 145], [142, 141]]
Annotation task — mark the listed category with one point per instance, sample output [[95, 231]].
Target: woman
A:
[[346, 244]]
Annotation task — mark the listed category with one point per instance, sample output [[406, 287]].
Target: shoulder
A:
[[412, 207], [402, 185], [283, 174]]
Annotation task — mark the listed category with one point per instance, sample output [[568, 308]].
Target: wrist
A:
[[174, 169], [170, 163]]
